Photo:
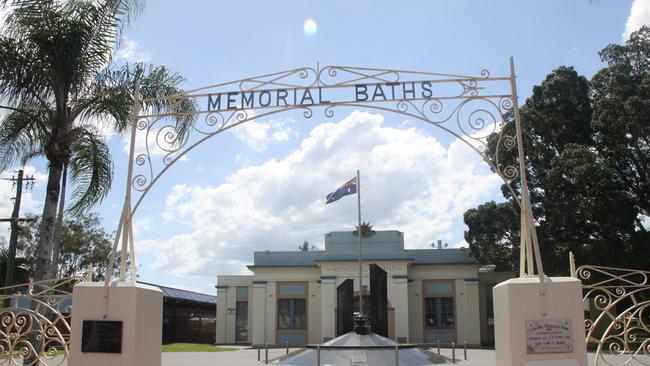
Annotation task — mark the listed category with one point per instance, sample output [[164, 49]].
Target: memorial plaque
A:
[[101, 336], [552, 335]]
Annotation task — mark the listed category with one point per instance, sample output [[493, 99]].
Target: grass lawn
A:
[[194, 347]]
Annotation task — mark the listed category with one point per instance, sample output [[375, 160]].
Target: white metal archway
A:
[[470, 108]]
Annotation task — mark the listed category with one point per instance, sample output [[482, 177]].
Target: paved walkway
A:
[[248, 357]]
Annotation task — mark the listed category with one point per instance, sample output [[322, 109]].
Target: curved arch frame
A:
[[469, 108]]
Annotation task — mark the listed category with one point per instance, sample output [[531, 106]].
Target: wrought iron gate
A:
[[35, 322], [617, 314]]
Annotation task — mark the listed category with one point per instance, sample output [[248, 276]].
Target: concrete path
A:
[[248, 357]]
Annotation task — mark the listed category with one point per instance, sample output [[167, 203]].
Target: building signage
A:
[[103, 336], [321, 95], [354, 268], [552, 335]]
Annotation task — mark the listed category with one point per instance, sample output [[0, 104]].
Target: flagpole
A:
[[359, 234]]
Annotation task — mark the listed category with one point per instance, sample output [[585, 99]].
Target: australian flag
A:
[[349, 187]]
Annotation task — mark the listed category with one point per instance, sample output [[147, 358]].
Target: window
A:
[[439, 309], [439, 312], [242, 293], [292, 309], [292, 314]]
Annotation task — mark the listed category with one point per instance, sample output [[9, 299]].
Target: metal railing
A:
[[35, 322], [618, 303]]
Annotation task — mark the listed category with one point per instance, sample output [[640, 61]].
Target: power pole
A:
[[15, 218]]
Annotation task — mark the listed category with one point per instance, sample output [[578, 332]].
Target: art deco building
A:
[[411, 295]]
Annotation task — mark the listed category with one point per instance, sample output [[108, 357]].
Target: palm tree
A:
[[60, 88]]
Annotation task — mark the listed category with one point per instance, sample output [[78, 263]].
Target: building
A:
[[188, 316], [412, 295]]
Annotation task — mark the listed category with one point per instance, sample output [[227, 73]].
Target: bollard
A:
[[287, 347], [266, 353], [259, 349], [396, 355], [453, 352], [438, 347], [465, 350], [318, 355]]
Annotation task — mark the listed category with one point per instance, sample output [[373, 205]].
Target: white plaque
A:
[[549, 335]]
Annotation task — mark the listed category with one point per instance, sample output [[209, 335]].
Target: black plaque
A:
[[101, 336]]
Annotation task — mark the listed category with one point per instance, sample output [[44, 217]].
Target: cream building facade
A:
[[299, 297]]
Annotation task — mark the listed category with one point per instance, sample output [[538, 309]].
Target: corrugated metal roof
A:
[[175, 293]]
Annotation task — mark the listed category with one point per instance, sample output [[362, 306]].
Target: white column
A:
[[231, 314], [222, 295], [472, 313], [313, 313], [400, 302], [257, 325], [328, 306]]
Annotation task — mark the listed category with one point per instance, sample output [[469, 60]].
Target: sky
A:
[[262, 185]]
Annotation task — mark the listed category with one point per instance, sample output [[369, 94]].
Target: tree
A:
[[21, 271], [587, 162], [60, 87], [366, 230], [304, 247], [493, 234], [83, 242]]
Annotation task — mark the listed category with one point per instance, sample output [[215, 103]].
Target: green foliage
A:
[[83, 242], [60, 87], [366, 230], [494, 232], [588, 164], [304, 247]]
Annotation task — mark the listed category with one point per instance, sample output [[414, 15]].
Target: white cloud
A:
[[130, 52], [639, 16], [255, 135], [409, 182]]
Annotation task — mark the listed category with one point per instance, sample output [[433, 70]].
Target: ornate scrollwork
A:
[[469, 107], [35, 328], [619, 322]]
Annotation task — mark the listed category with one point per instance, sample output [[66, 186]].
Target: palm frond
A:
[[160, 82], [106, 20], [91, 170], [110, 96], [22, 78], [20, 137]]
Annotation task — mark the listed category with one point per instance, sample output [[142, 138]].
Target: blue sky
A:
[[262, 185]]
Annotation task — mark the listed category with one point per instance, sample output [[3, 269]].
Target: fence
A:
[[35, 322]]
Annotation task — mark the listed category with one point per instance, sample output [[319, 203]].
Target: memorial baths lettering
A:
[[407, 90], [549, 336], [365, 268]]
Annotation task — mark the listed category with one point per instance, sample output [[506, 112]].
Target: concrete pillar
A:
[[400, 302], [222, 306], [472, 329], [327, 306], [313, 313], [231, 314], [257, 325], [139, 309], [535, 329]]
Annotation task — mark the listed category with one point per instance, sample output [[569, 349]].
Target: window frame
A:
[[305, 296], [426, 329]]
